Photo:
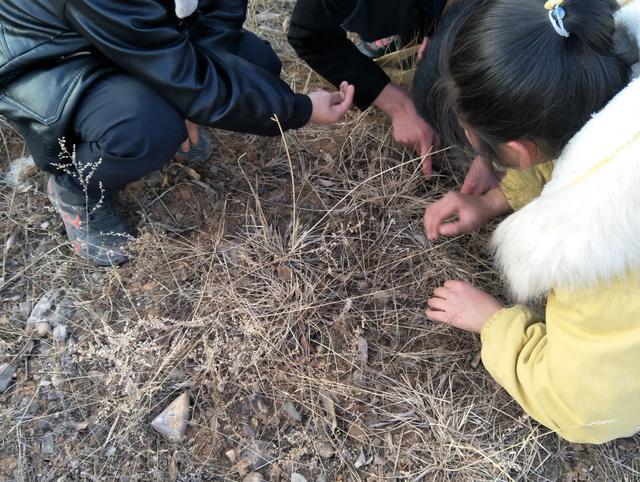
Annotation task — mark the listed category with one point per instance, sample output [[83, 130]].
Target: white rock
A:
[[296, 477], [172, 422], [60, 333], [42, 329]]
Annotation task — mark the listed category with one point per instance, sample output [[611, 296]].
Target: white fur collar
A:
[[184, 8], [585, 227]]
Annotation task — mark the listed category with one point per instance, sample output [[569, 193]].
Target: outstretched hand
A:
[[462, 305], [457, 213], [330, 107]]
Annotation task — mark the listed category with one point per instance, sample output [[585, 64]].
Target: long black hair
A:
[[513, 77]]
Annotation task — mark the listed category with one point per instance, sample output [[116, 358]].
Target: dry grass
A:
[[254, 289]]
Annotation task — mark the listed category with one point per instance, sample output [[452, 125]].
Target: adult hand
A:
[[457, 213], [330, 107], [480, 178], [462, 305], [408, 127]]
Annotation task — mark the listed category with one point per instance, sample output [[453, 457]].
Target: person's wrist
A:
[[495, 202], [393, 100]]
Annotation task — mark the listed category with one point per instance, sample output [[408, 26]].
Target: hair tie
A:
[[556, 16]]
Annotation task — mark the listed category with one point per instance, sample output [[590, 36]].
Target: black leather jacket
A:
[[51, 50]]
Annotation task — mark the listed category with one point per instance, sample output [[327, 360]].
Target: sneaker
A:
[[94, 228], [198, 153], [379, 48]]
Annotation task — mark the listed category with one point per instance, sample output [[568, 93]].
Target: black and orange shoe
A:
[[94, 229]]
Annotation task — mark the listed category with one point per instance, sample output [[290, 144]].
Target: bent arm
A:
[[315, 33], [222, 91]]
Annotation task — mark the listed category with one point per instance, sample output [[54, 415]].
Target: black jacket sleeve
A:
[[223, 91], [317, 36]]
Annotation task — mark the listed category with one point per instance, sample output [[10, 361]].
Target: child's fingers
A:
[[450, 229], [435, 315], [437, 304], [441, 292]]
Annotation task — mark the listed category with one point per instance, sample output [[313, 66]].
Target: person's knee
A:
[[152, 131]]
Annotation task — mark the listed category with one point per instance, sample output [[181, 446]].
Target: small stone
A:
[[321, 478], [232, 455], [248, 431], [253, 477], [172, 422], [363, 349], [325, 450], [6, 376], [292, 411], [42, 329], [48, 445], [45, 225], [296, 477], [110, 451], [53, 395], [60, 333]]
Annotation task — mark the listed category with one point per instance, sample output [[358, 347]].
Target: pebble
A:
[[60, 333], [110, 451], [292, 411], [253, 477], [6, 376], [296, 477], [42, 329], [172, 422], [48, 445], [325, 450]]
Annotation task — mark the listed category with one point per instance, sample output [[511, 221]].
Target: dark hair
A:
[[516, 78], [433, 89]]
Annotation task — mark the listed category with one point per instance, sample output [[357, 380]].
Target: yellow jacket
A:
[[576, 240]]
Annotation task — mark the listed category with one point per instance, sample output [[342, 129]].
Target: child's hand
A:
[[480, 178], [330, 107], [460, 304], [469, 213]]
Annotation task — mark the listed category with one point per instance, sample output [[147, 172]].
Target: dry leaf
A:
[[330, 408]]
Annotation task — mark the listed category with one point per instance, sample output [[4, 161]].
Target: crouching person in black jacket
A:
[[318, 34], [117, 79]]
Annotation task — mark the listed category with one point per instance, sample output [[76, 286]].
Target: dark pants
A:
[[122, 131], [126, 130]]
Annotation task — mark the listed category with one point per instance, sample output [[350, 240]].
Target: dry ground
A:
[[285, 293]]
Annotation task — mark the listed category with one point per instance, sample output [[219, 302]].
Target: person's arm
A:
[[516, 351], [520, 187], [315, 33], [225, 92]]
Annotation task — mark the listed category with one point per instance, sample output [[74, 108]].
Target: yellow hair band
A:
[[551, 4]]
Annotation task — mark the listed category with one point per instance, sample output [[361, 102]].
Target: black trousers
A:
[[123, 130]]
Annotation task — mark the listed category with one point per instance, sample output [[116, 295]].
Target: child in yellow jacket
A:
[[535, 82]]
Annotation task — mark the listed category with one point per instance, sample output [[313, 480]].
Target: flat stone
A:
[[172, 422], [48, 445], [6, 376]]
